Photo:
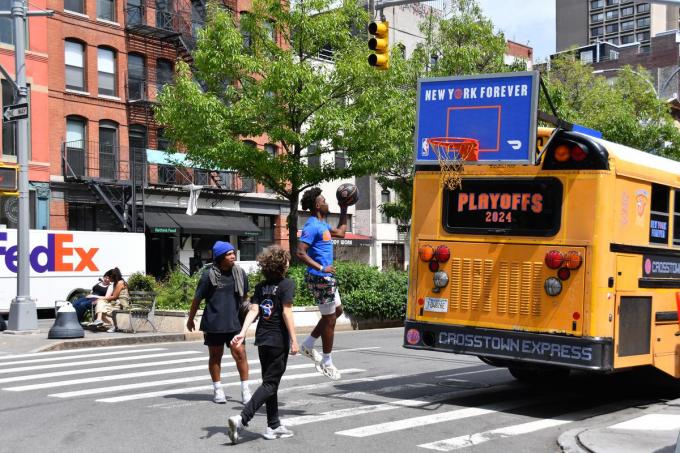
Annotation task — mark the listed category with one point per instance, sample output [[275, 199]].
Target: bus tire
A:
[[538, 374]]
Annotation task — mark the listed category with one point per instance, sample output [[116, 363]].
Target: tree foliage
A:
[[626, 111], [259, 76]]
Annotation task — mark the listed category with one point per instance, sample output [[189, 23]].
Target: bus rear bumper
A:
[[589, 353]]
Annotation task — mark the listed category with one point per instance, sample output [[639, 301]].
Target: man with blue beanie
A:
[[224, 286]]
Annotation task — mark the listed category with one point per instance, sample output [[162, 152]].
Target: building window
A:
[[596, 31], [106, 10], [612, 2], [163, 73], [628, 25], [596, 4], [340, 160], [613, 55], [76, 6], [108, 149], [313, 157], [597, 17], [162, 142], [271, 150], [611, 28], [75, 146], [136, 78], [627, 11], [250, 246], [627, 39], [642, 8], [74, 59], [614, 14], [644, 36], [393, 256], [643, 22], [586, 57], [106, 67], [134, 13], [247, 38], [384, 198], [614, 41], [271, 31], [8, 127], [658, 217]]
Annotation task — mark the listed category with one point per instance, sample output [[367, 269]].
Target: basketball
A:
[[347, 194]]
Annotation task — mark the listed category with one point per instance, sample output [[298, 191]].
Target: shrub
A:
[[142, 282], [177, 290]]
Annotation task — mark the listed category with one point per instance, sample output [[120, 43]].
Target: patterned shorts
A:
[[323, 289]]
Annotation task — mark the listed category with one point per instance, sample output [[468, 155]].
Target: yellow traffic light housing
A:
[[379, 44], [8, 180]]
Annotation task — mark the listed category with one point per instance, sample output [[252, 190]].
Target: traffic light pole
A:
[[23, 316]]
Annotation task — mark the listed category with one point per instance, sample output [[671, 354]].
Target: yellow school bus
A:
[[572, 263]]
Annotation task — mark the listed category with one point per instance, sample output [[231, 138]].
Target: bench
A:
[[141, 310]]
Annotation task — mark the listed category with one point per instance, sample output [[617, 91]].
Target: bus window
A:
[[676, 219], [658, 218]]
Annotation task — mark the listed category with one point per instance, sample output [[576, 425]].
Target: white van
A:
[[63, 263]]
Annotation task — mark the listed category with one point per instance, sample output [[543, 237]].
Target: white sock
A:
[[326, 360], [309, 342], [217, 385], [244, 386]]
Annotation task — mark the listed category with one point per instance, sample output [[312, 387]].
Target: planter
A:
[[374, 323]]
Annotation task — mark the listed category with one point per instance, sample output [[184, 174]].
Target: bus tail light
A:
[[552, 286], [440, 279], [578, 153], [426, 252], [442, 254], [573, 259], [563, 273], [554, 259], [433, 266], [562, 153]]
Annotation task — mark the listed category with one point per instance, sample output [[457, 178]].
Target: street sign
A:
[[15, 112], [498, 110]]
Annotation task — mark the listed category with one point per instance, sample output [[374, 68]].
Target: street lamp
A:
[[602, 71]]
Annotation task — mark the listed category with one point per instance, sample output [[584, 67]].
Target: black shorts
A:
[[219, 338]]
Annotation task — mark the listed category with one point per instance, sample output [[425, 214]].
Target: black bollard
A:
[[66, 325]]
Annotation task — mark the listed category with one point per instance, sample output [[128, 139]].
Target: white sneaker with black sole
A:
[[234, 424], [279, 433], [330, 372], [246, 396], [219, 397]]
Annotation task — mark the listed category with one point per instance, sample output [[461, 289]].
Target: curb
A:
[[569, 442]]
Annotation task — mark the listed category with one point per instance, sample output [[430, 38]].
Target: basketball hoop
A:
[[451, 152]]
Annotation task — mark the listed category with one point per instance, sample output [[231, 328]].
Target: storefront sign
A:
[[164, 230]]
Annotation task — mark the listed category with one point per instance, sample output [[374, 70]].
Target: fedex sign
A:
[[60, 254]]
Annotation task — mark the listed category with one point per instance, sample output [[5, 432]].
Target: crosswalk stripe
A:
[[106, 368], [93, 362], [650, 422], [79, 356], [68, 351], [139, 385], [115, 377], [431, 419], [343, 381], [469, 440], [181, 391]]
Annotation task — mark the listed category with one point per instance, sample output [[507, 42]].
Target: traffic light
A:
[[379, 44], [8, 179]]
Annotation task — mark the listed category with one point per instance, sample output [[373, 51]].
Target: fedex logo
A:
[[54, 257]]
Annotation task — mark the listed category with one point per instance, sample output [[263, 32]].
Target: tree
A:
[[462, 44], [261, 78], [626, 111]]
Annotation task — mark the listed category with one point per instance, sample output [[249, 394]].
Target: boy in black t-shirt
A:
[[275, 337]]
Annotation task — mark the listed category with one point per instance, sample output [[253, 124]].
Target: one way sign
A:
[[15, 112]]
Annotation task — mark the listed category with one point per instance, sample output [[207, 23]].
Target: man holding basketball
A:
[[315, 249]]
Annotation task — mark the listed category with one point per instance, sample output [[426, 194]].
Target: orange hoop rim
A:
[[452, 141], [466, 148]]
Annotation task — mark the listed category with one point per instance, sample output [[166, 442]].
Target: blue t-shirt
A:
[[317, 235]]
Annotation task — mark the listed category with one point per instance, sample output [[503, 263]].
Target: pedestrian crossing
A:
[[367, 405]]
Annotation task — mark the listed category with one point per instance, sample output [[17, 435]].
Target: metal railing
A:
[[148, 15]]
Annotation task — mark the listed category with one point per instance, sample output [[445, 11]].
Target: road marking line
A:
[[93, 362], [68, 351], [383, 390], [651, 422], [182, 391], [106, 368], [431, 419], [471, 372], [469, 440], [80, 356], [356, 349], [342, 381]]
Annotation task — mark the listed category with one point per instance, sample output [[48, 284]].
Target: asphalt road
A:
[[158, 398]]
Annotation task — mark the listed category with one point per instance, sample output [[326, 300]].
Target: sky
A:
[[529, 22]]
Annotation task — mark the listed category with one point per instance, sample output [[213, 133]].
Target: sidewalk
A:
[[640, 430]]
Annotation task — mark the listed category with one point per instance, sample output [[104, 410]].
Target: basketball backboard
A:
[[499, 110]]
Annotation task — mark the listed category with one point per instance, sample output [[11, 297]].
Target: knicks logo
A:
[[640, 202], [326, 235]]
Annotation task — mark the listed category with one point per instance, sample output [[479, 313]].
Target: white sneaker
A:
[[246, 396], [330, 372], [111, 329], [279, 433], [312, 354], [97, 323], [233, 425], [218, 396]]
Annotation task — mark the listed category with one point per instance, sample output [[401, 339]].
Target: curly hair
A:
[[309, 198], [273, 261]]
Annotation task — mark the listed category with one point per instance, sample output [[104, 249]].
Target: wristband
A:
[[321, 266]]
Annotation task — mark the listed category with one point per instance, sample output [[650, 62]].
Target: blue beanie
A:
[[220, 248]]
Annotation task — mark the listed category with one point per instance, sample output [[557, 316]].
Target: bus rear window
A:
[[520, 207]]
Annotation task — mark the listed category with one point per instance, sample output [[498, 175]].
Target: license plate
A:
[[437, 305]]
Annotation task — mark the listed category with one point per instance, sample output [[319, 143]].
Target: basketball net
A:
[[451, 153]]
